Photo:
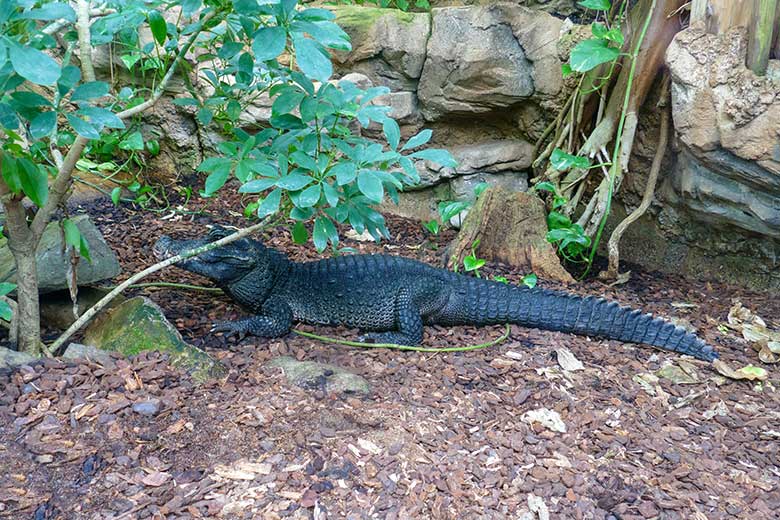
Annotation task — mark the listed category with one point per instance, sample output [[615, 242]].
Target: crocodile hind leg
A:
[[408, 322], [275, 321]]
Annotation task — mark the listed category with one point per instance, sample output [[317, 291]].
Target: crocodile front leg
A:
[[407, 320], [275, 320]]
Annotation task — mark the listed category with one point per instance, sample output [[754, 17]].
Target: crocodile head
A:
[[223, 265]]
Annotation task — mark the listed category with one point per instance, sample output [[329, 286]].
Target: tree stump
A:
[[511, 227]]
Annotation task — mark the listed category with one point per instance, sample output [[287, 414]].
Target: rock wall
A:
[[486, 78]]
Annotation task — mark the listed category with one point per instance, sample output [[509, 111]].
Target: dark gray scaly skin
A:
[[394, 297]]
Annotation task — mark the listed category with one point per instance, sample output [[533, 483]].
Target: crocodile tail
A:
[[553, 310]]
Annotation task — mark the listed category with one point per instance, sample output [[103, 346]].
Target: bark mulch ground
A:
[[440, 436]]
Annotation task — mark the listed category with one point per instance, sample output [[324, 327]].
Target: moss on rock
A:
[[138, 325]]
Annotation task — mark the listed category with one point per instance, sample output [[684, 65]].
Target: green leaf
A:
[[433, 226], [556, 220], [101, 117], [392, 132], [49, 12], [530, 280], [436, 155], [313, 59], [300, 234], [90, 90], [158, 26], [596, 5], [268, 43], [270, 204], [480, 188], [34, 181], [294, 181], [370, 185], [186, 101], [134, 141], [30, 99], [6, 287], [418, 140], [83, 128], [615, 35], [287, 101], [331, 194], [205, 116], [345, 172], [501, 279], [471, 263], [589, 54], [257, 185], [216, 180], [6, 313], [43, 124], [599, 30], [324, 230], [448, 209], [545, 186], [8, 117], [116, 193], [84, 250], [9, 168], [310, 196], [566, 70], [563, 161], [72, 233], [33, 65], [68, 79]]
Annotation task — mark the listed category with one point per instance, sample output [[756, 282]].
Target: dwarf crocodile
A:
[[394, 297]]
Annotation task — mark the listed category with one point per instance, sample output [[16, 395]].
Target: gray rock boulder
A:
[[52, 264], [312, 375], [388, 45], [137, 325], [87, 352], [474, 65], [12, 358]]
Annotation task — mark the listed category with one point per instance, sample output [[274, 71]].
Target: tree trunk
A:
[[721, 15], [760, 35], [22, 244]]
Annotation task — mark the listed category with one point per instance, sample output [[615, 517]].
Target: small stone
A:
[[148, 408]]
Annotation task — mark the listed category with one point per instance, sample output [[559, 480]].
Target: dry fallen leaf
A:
[[677, 374], [568, 361], [156, 478], [749, 372], [550, 419]]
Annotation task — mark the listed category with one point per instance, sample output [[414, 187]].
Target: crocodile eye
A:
[[218, 232]]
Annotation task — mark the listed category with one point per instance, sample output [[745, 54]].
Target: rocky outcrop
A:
[[726, 118], [53, 265]]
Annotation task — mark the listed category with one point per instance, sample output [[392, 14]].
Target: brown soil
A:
[[441, 436]]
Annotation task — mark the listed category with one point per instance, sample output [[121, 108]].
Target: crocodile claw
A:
[[230, 329]]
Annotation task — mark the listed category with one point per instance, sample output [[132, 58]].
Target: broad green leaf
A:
[[186, 101], [310, 196], [270, 204], [257, 185], [615, 35], [370, 185], [49, 12], [134, 141], [83, 128], [101, 117], [596, 5], [34, 181], [331, 194], [294, 181], [313, 59], [189, 7], [480, 188], [324, 230], [562, 161], [116, 194], [30, 99], [8, 117], [392, 132], [205, 116], [287, 101], [300, 234], [84, 250], [418, 140], [599, 30], [90, 90], [448, 209], [268, 43], [6, 287], [33, 65], [433, 226], [325, 32], [158, 26], [436, 155], [9, 168], [6, 313], [345, 172], [43, 124], [216, 180], [589, 54], [68, 79], [566, 70]]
